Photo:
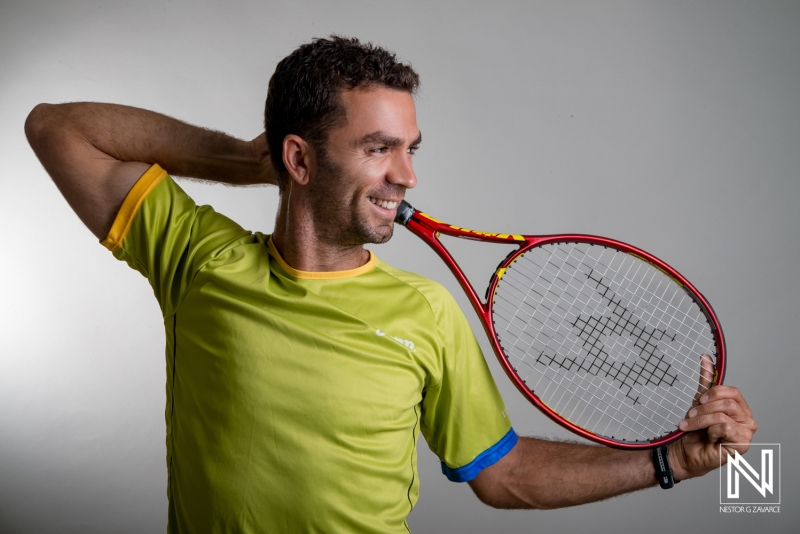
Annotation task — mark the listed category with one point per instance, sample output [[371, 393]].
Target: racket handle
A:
[[404, 212]]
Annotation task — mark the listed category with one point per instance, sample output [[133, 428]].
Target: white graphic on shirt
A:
[[407, 343]]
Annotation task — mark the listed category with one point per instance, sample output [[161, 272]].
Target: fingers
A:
[[260, 152], [705, 421], [720, 427], [259, 147], [724, 414], [730, 433], [731, 436], [707, 371], [726, 392], [728, 406], [719, 419]]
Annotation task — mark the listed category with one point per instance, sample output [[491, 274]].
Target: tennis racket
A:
[[607, 340]]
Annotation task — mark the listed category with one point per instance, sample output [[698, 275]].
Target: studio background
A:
[[674, 126]]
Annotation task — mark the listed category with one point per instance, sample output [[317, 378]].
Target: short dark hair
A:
[[303, 96]]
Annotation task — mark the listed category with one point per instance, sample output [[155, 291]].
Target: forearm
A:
[[136, 135], [546, 474]]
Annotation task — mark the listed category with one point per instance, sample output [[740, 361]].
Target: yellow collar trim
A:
[[321, 275]]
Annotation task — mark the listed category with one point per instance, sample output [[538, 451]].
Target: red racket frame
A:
[[428, 229]]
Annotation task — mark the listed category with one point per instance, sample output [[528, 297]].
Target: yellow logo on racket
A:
[[511, 237]]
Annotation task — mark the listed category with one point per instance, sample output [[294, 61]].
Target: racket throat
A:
[[429, 230], [431, 237]]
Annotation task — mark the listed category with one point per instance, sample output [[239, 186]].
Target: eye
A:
[[379, 150], [413, 149]]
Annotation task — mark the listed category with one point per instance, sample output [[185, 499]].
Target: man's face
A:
[[366, 168]]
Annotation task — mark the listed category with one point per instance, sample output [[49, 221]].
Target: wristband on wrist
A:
[[663, 469]]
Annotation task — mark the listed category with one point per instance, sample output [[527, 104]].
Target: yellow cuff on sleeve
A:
[[130, 207]]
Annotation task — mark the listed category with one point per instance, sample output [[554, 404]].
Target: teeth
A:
[[386, 204]]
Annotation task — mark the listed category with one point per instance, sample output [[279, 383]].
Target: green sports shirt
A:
[[295, 399]]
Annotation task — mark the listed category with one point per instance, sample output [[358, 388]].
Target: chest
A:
[[301, 360]]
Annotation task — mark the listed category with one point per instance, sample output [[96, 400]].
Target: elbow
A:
[[36, 124], [503, 497], [486, 497], [512, 502], [494, 501]]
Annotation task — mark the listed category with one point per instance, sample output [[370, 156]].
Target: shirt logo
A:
[[405, 342]]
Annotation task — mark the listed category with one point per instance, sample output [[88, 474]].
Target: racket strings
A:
[[594, 301], [590, 398], [605, 339], [550, 293], [574, 388]]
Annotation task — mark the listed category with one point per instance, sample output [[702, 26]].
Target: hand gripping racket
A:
[[607, 340]]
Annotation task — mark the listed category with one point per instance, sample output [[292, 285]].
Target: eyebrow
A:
[[383, 138]]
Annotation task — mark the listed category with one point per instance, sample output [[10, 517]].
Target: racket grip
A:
[[404, 213]]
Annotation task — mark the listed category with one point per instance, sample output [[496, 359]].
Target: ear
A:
[[299, 158]]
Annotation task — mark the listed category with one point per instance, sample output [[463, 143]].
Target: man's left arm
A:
[[546, 474]]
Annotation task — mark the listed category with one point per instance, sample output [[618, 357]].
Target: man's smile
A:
[[384, 203]]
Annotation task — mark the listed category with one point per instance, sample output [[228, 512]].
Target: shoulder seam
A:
[[379, 265], [223, 250]]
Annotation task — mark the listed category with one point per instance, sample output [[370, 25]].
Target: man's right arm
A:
[[96, 152]]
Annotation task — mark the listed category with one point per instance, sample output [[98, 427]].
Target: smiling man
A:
[[301, 369], [360, 173]]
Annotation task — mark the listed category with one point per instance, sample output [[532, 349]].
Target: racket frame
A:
[[429, 229]]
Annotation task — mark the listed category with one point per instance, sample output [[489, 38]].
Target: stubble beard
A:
[[337, 212]]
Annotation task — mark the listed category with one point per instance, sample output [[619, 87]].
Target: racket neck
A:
[[418, 227]]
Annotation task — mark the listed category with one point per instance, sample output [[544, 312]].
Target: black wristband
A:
[[663, 469]]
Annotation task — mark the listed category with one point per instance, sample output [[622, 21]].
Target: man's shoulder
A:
[[407, 277], [434, 292]]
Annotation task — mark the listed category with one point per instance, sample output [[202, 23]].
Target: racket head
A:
[[607, 340]]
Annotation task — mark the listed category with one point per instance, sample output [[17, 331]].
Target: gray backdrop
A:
[[674, 126]]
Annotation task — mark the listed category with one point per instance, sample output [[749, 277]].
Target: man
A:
[[300, 368]]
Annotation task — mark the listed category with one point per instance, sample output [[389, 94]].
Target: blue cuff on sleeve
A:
[[488, 457]]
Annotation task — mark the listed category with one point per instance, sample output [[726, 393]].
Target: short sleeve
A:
[[464, 419], [163, 234]]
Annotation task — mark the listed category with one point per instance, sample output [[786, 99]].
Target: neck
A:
[[301, 244]]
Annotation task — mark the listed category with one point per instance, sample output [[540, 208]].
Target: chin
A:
[[378, 235], [382, 237]]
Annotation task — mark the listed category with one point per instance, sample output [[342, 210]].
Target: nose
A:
[[402, 172]]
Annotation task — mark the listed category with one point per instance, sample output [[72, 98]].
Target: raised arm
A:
[[96, 152], [545, 474]]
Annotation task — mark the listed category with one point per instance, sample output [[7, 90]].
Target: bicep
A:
[[92, 182]]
